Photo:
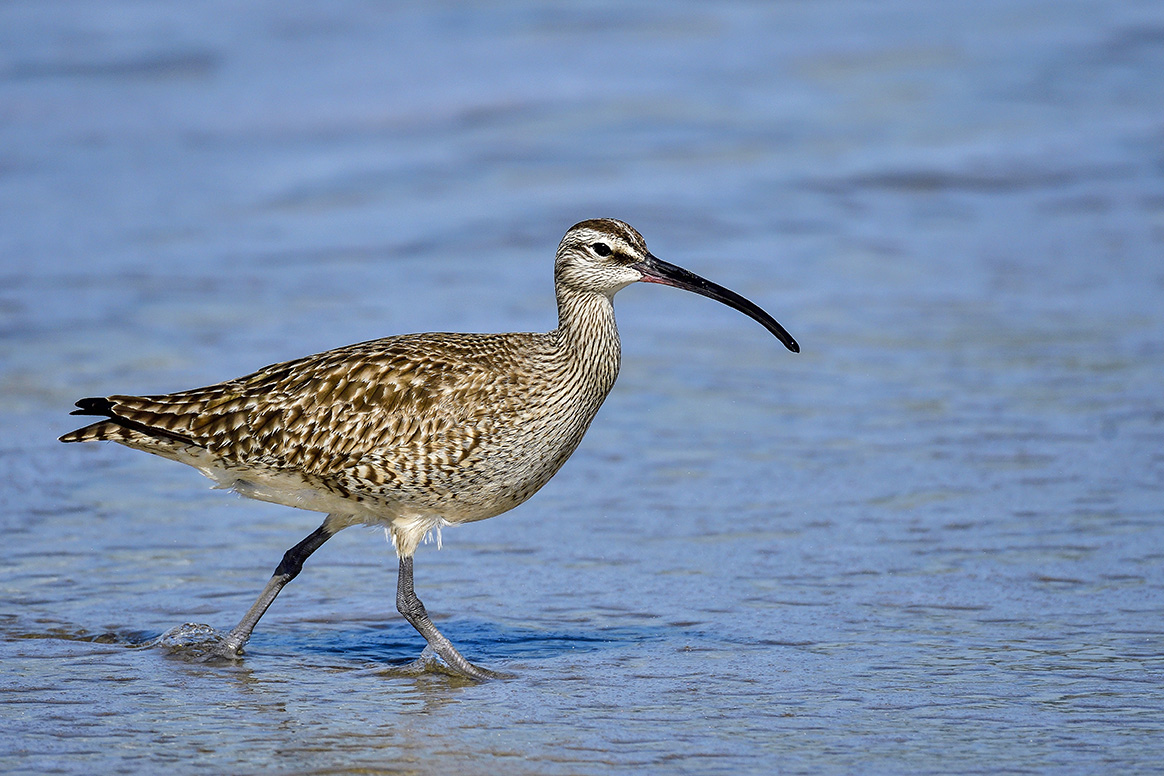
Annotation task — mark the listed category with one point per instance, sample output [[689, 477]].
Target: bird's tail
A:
[[117, 427]]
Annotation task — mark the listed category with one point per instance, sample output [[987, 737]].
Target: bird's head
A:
[[605, 255]]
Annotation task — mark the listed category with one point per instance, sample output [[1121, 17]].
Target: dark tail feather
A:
[[98, 405], [94, 405]]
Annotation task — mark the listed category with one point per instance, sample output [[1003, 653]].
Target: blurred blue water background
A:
[[933, 542]]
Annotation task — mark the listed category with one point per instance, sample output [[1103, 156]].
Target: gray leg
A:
[[413, 610], [288, 569]]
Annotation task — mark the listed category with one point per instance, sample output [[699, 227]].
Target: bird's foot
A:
[[431, 662], [224, 651], [198, 642], [229, 648], [427, 661]]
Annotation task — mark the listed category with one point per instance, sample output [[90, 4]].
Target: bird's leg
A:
[[288, 569], [413, 610]]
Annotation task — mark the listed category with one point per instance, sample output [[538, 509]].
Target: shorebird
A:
[[413, 432]]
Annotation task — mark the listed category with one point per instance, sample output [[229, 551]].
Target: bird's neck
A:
[[587, 336]]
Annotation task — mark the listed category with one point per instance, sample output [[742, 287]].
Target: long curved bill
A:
[[658, 271]]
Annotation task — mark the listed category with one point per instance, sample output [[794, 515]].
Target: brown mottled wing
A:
[[414, 401]]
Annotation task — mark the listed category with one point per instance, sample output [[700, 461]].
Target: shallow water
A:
[[932, 542]]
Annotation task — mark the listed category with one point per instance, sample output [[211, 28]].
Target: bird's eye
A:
[[601, 248]]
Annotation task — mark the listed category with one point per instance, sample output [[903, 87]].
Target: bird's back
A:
[[467, 425]]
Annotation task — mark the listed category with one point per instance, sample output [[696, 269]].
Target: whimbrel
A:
[[412, 432]]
